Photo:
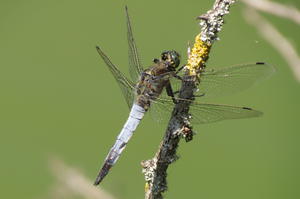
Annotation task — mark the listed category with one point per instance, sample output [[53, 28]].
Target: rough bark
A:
[[155, 169]]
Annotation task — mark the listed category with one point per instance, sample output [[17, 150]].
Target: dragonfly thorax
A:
[[154, 79], [150, 86]]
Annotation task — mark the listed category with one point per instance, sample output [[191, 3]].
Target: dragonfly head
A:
[[172, 58]]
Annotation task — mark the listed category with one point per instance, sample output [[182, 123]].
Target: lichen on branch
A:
[[155, 169], [211, 24]]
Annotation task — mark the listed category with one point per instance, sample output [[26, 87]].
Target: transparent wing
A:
[[207, 113], [226, 81], [203, 113], [161, 110], [135, 67], [127, 87], [217, 83]]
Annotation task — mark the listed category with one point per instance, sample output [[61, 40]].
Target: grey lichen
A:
[[212, 22]]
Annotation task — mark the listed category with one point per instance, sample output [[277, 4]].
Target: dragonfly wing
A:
[[203, 113], [135, 67], [225, 81], [162, 107], [127, 87], [161, 110], [207, 113]]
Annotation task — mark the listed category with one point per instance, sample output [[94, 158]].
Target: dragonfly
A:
[[153, 87]]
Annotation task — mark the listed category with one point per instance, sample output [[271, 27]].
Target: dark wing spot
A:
[[247, 108], [260, 63]]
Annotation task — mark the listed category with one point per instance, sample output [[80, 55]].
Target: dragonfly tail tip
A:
[[98, 180], [103, 172], [100, 177]]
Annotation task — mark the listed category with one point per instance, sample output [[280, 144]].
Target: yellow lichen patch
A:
[[198, 56], [147, 187]]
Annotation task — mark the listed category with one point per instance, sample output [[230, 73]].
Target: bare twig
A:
[[155, 170], [72, 182], [278, 9], [277, 40]]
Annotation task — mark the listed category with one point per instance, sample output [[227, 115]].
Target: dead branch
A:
[[71, 182], [274, 8], [155, 169], [277, 40]]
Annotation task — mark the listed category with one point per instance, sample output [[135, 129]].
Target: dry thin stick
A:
[[276, 9], [277, 40], [155, 169], [72, 182]]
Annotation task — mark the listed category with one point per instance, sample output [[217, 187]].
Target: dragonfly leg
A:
[[170, 92], [179, 69], [178, 77]]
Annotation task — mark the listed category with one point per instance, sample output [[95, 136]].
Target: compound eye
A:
[[173, 57], [175, 61]]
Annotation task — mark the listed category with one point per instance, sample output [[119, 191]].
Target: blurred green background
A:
[[58, 99]]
